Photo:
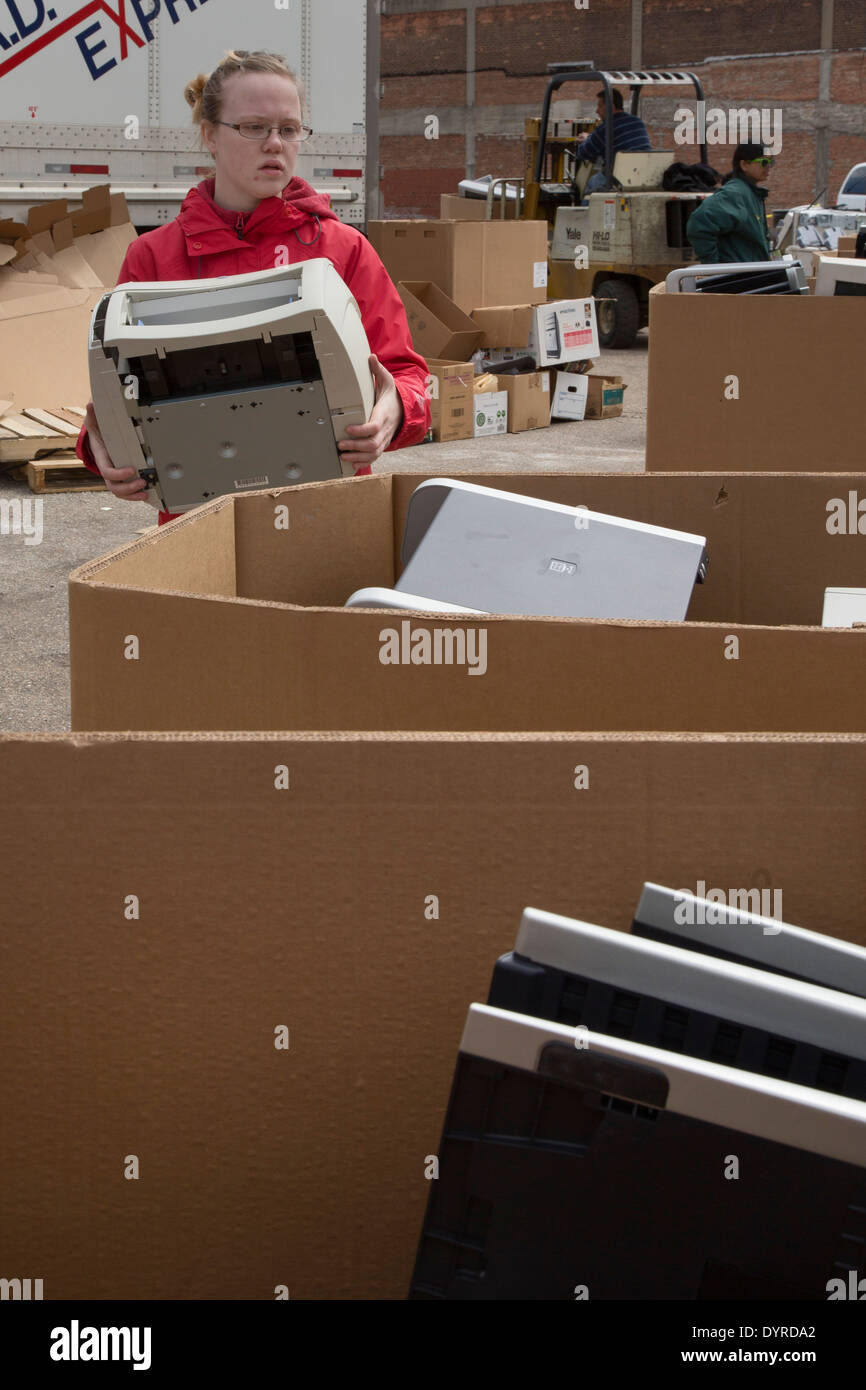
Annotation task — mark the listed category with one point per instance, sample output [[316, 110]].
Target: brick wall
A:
[[423, 67]]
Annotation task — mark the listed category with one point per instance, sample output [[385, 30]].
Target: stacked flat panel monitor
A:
[[677, 1113]]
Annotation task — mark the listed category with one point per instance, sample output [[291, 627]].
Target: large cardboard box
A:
[[210, 899], [439, 329], [753, 382], [474, 263], [232, 617], [452, 399], [528, 400]]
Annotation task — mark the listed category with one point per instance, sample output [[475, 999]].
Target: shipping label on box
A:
[[569, 396], [564, 330], [491, 413]]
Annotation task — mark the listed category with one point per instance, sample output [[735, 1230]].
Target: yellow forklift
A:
[[631, 231]]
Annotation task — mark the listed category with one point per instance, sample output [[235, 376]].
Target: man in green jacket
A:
[[731, 225]]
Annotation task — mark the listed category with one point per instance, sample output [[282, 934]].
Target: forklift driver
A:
[[629, 133]]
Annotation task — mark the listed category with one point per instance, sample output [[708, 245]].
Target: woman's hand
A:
[[122, 482], [365, 443]]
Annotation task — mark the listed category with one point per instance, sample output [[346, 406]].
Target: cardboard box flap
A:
[[203, 563], [439, 329], [284, 552]]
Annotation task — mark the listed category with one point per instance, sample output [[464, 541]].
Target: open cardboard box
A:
[[237, 618], [362, 908], [754, 382], [61, 265]]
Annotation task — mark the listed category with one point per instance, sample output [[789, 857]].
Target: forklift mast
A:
[[585, 72]]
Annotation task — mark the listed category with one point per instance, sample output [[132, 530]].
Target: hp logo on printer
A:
[[564, 566]]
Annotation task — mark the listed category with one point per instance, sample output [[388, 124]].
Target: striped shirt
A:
[[629, 133]]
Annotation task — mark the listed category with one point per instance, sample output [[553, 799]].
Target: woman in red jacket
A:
[[254, 214]]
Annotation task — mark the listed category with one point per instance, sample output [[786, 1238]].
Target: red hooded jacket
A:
[[205, 240]]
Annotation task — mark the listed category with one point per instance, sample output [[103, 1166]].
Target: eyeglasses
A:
[[766, 161], [291, 133]]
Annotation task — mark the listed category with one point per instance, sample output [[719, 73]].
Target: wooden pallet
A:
[[33, 432], [65, 473]]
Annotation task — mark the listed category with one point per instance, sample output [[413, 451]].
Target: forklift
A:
[[632, 231]]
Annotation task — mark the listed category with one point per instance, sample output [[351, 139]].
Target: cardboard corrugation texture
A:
[[306, 908], [261, 661], [792, 355]]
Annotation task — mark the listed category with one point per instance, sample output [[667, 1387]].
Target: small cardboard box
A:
[[474, 263], [491, 413], [505, 326], [847, 243], [528, 400], [568, 401], [452, 399], [238, 608], [439, 329], [739, 399], [564, 330], [603, 397]]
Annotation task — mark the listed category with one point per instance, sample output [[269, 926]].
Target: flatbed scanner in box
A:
[[230, 384]]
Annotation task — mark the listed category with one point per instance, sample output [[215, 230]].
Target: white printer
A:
[[226, 385]]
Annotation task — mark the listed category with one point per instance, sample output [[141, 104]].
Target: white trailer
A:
[[92, 90]]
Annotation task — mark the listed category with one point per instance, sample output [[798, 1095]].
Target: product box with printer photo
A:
[[473, 263], [240, 609]]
